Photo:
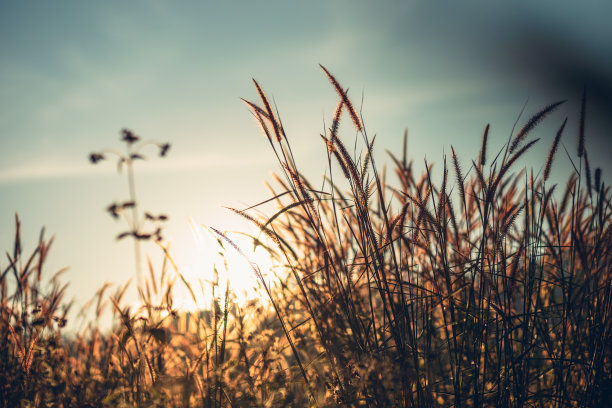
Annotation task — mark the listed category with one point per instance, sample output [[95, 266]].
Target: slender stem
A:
[[135, 220]]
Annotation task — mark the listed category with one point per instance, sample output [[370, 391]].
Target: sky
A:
[[73, 74]]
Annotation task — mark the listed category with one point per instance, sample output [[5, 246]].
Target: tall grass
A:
[[489, 288], [226, 354]]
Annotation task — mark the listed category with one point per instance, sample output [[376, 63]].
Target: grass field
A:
[[491, 287]]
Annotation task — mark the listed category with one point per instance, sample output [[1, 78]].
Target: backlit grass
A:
[[491, 287]]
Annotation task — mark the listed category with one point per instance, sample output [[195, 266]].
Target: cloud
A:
[[59, 169]]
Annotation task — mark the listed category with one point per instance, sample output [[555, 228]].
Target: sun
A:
[[209, 264]]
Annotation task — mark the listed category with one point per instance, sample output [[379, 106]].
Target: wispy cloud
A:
[[57, 169]]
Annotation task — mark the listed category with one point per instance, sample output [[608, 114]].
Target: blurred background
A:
[[73, 74]]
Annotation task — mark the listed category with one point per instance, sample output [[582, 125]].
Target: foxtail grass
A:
[[491, 287], [497, 297]]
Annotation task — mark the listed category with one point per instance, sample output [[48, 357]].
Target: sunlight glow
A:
[[210, 267]]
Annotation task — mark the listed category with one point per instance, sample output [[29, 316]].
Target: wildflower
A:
[[163, 149], [113, 209], [129, 137], [96, 157], [124, 234]]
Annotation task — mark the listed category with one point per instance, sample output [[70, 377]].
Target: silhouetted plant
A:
[[141, 226], [502, 298]]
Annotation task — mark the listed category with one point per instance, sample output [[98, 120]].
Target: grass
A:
[[489, 288]]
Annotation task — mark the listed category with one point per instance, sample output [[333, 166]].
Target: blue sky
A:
[[74, 73]]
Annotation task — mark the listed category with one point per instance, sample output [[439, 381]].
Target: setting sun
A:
[[210, 261]]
